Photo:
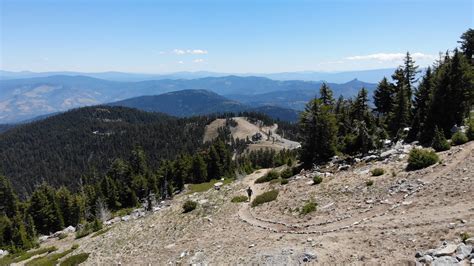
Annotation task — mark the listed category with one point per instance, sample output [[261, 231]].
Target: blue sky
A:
[[226, 35]]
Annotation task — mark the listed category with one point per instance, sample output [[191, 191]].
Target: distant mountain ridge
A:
[[188, 103], [23, 99], [372, 75]]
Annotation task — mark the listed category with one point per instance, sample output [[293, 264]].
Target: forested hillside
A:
[[61, 149]]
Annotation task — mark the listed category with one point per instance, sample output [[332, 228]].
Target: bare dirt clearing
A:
[[386, 223], [245, 129]]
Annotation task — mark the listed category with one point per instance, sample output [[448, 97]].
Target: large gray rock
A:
[[309, 256], [426, 259], [463, 251], [446, 260], [446, 250]]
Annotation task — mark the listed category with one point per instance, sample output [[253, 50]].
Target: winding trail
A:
[[346, 222]]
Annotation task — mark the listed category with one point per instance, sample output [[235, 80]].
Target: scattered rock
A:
[[309, 256], [343, 167], [463, 251], [446, 260], [252, 245], [469, 241], [446, 250]]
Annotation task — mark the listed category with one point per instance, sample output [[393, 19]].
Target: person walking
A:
[[249, 193]]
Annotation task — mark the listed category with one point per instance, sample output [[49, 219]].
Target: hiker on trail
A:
[[249, 193]]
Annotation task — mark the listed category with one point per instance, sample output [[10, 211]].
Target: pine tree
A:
[[400, 114], [467, 45], [410, 70], [360, 108], [326, 95], [45, 210], [383, 97], [199, 169], [420, 104], [8, 199], [318, 131], [439, 141]]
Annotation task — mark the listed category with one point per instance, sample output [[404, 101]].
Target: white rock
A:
[[69, 229], [252, 245], [447, 250]]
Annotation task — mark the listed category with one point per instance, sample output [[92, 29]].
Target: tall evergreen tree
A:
[[318, 130], [467, 45], [8, 199], [326, 95], [420, 104], [400, 114], [383, 97]]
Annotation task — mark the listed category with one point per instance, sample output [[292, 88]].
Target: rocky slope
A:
[[400, 219]]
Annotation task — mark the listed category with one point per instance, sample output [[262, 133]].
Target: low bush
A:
[[308, 208], [18, 257], [459, 138], [470, 131], [284, 181], [75, 259], [237, 199], [268, 177], [265, 197], [439, 141], [189, 206], [62, 236], [88, 228], [101, 231], [317, 180], [369, 183], [287, 173], [421, 158], [51, 259], [465, 236], [377, 172]]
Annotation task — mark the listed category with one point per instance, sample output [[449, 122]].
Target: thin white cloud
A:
[[189, 51], [180, 62], [179, 51], [199, 60], [390, 57]]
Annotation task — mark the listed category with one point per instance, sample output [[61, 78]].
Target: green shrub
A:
[[237, 199], [62, 236], [189, 206], [317, 180], [377, 172], [369, 183], [88, 228], [268, 177], [296, 170], [470, 131], [465, 236], [75, 259], [101, 231], [308, 208], [265, 197], [459, 138], [421, 158], [51, 259], [284, 181], [287, 173], [15, 258], [439, 141]]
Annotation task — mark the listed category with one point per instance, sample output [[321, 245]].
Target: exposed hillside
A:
[[385, 223], [62, 148], [187, 103], [22, 99]]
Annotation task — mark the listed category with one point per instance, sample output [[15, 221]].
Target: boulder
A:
[[446, 260], [309, 256], [69, 229], [3, 253], [446, 250], [426, 259], [218, 185], [463, 251], [343, 167]]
